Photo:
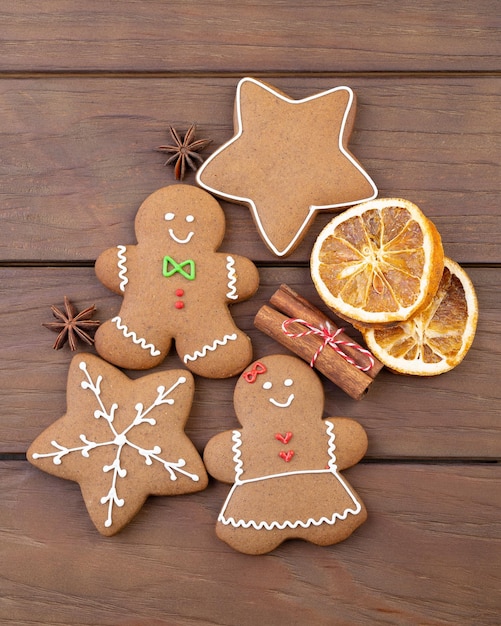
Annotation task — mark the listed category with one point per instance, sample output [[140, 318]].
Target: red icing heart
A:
[[286, 456], [283, 438]]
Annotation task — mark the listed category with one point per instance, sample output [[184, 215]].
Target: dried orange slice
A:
[[378, 262], [437, 338]]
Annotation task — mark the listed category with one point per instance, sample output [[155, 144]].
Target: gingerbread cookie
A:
[[175, 285], [121, 440], [287, 160], [284, 462]]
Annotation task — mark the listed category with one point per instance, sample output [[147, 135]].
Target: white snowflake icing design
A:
[[120, 439]]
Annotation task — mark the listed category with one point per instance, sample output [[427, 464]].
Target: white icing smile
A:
[[178, 240], [283, 405], [189, 219]]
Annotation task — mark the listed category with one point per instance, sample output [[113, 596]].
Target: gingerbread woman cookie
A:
[[121, 440], [287, 160], [285, 462], [175, 285]]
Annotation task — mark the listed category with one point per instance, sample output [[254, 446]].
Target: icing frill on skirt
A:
[[290, 500]]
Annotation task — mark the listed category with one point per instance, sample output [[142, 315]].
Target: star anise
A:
[[72, 325], [184, 152]]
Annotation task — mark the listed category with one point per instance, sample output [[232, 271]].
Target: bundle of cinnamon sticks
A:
[[305, 330]]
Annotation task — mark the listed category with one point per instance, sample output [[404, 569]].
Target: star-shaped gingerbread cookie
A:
[[121, 440], [287, 160]]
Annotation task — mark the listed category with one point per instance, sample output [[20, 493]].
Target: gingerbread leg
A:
[[328, 534], [125, 342], [222, 353], [248, 540]]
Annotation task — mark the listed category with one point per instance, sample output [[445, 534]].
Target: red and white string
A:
[[329, 338]]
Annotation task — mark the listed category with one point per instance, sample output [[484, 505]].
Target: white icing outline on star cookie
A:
[[312, 208]]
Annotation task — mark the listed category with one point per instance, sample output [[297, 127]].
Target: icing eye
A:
[[169, 216], [267, 385], [190, 218], [288, 382]]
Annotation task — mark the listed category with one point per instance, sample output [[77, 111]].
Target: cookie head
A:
[[181, 216], [278, 386]]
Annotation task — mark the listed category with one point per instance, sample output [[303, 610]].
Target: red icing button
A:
[[179, 305], [179, 292]]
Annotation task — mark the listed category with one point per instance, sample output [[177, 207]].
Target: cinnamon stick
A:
[[295, 306], [332, 364]]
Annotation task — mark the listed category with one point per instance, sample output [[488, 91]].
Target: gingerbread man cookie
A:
[[175, 285], [285, 462], [287, 160], [121, 440]]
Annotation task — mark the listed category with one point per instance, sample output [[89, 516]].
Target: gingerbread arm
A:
[[242, 278], [218, 457], [351, 441], [112, 267]]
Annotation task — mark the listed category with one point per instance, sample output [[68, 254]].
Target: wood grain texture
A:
[[168, 567], [78, 157], [455, 415], [297, 35], [87, 91]]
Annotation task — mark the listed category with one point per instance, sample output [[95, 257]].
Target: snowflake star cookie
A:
[[285, 462], [176, 285], [287, 160], [121, 440]]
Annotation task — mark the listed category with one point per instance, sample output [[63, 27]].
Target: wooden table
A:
[[87, 91]]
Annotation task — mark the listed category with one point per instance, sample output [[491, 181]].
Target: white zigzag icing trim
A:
[[332, 445], [137, 340], [122, 260], [287, 524], [232, 279], [239, 466], [211, 348], [240, 523]]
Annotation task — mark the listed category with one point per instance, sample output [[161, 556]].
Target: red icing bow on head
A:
[[251, 375]]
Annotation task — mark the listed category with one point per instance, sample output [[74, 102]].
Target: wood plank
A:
[[78, 157], [208, 36], [455, 415], [168, 567]]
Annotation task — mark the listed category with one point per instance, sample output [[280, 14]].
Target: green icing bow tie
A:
[[171, 267]]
